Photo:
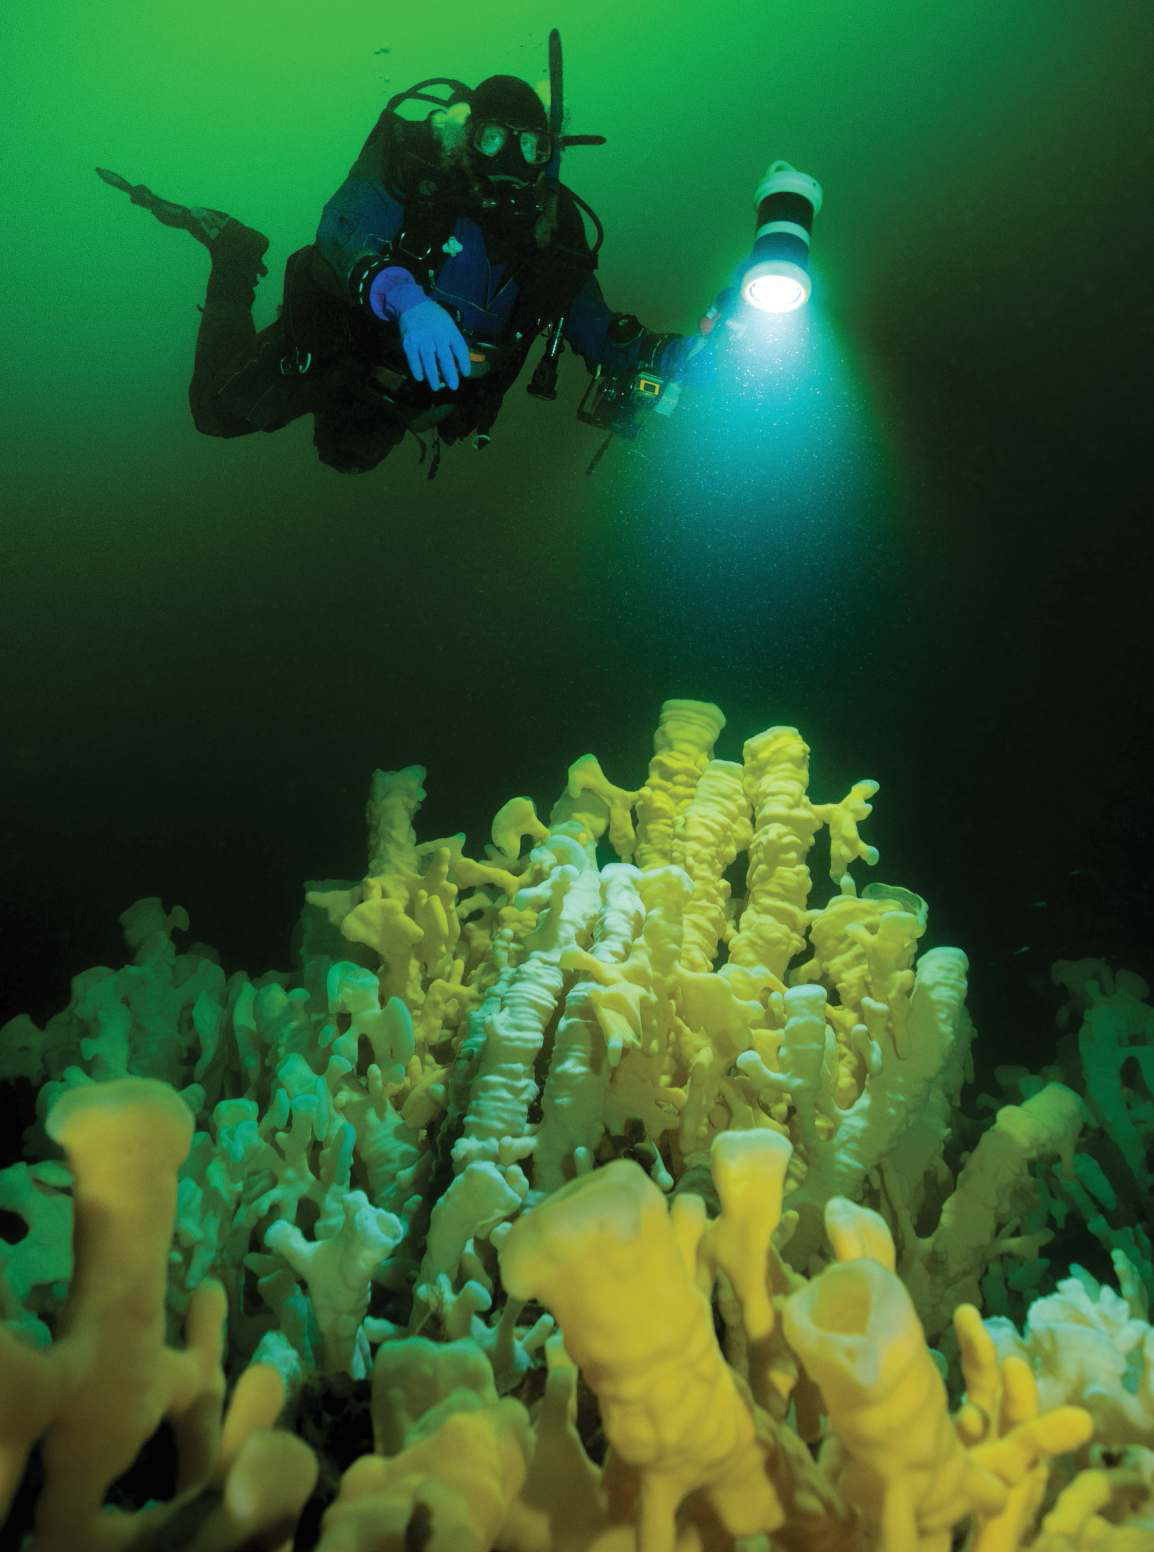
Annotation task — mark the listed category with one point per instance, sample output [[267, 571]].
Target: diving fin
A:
[[207, 226]]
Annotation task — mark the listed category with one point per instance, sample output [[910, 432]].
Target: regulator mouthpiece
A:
[[776, 278]]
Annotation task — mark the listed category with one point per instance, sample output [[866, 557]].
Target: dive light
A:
[[776, 279]]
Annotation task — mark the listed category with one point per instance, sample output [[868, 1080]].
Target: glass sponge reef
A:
[[569, 1203]]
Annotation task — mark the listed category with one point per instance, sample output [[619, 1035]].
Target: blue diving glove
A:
[[434, 346]]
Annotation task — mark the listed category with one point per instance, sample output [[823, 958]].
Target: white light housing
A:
[[776, 286], [776, 279]]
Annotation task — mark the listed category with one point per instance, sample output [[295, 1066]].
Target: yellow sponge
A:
[[603, 1255]]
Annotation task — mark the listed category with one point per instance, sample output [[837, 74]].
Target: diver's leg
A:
[[226, 339], [200, 222], [227, 333]]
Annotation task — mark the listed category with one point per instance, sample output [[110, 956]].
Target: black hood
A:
[[509, 100]]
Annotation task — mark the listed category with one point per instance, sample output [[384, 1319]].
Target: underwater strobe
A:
[[776, 279]]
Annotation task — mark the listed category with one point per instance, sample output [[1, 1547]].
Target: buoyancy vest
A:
[[323, 329]]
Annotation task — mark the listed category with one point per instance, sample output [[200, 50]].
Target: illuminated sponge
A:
[[550, 1150]]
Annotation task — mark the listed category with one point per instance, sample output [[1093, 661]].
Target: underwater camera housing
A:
[[615, 401]]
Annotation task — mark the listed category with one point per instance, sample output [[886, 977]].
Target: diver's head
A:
[[507, 147], [495, 138], [508, 132]]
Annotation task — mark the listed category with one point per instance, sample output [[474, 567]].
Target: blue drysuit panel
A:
[[362, 217]]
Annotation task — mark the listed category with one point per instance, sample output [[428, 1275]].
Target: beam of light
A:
[[769, 488]]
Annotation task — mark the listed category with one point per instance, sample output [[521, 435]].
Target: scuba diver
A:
[[450, 248]]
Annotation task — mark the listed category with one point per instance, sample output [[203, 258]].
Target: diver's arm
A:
[[356, 226], [617, 342], [362, 217], [352, 259]]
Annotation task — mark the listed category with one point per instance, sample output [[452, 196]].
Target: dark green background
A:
[[920, 539]]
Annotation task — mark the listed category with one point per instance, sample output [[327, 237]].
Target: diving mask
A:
[[492, 139]]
